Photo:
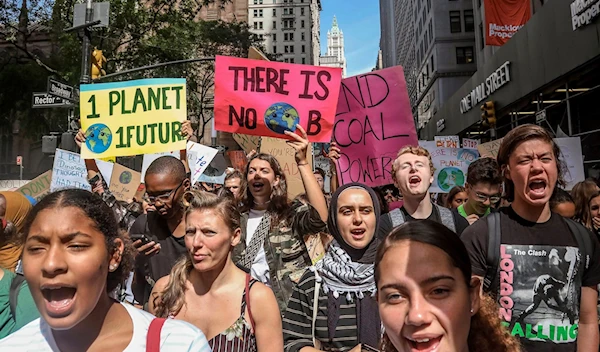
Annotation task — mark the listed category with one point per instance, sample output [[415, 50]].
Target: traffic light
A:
[[488, 114], [98, 60]]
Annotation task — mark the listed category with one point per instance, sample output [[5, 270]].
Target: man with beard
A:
[[166, 182]]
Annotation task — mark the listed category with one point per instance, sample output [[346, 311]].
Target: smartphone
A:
[[367, 348], [142, 237]]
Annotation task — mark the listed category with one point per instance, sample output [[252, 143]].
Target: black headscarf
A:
[[367, 254]]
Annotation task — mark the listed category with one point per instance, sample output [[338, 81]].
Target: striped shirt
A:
[[175, 335], [297, 320]]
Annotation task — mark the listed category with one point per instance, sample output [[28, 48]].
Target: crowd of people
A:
[[509, 262]]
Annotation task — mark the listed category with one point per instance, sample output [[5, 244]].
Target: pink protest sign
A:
[[267, 98], [373, 122]]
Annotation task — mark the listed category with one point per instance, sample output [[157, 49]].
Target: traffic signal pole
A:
[[86, 47]]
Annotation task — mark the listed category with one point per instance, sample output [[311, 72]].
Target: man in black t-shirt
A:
[[412, 172], [545, 298], [166, 181]]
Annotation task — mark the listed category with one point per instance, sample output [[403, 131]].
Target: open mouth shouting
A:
[[424, 344], [358, 234], [58, 299], [257, 186], [537, 188], [414, 181]]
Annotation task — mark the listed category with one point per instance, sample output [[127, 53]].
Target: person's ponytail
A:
[[171, 300]]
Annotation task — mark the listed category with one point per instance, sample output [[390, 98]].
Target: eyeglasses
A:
[[165, 197], [483, 197]]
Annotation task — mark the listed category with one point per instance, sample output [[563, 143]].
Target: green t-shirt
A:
[[463, 213], [25, 312]]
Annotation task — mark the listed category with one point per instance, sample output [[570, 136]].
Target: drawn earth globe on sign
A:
[[281, 117], [98, 138], [125, 177], [450, 177]]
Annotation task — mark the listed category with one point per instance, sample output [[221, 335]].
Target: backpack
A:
[[13, 295], [445, 214], [582, 236]]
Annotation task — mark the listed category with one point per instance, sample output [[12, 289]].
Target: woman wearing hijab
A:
[[14, 207], [333, 307]]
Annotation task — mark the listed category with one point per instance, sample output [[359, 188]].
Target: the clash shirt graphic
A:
[[539, 292]]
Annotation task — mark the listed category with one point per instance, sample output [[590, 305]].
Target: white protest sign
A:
[[149, 158], [69, 171], [470, 143], [572, 158], [106, 169], [429, 145], [215, 172], [451, 165], [199, 158], [447, 142]]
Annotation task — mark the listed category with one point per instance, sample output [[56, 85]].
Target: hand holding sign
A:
[[299, 143]]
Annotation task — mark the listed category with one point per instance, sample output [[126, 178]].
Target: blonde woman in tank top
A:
[[206, 289]]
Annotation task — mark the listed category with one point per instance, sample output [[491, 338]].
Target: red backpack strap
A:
[[153, 336], [247, 299]]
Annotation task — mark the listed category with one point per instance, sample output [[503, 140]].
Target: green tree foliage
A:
[[139, 34]]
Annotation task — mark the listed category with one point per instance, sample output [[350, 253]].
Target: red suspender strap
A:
[[248, 302], [153, 337]]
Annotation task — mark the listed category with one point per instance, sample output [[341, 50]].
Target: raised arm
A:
[[313, 192]]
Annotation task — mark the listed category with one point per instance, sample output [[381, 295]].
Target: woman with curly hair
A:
[[427, 297], [73, 256], [272, 245], [207, 281]]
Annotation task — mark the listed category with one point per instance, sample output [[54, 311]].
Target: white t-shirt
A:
[[260, 267], [176, 335]]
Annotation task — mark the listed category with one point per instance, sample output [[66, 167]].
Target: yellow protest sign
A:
[[132, 117]]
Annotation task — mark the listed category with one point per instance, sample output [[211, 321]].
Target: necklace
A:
[[257, 203]]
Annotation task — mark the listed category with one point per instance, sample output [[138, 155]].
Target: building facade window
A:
[[274, 12], [303, 49], [455, 25], [303, 60], [274, 49], [260, 25], [274, 37], [302, 24], [302, 11], [303, 36], [255, 25], [469, 21], [274, 24], [291, 60], [464, 55]]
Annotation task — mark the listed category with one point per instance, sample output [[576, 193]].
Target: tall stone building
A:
[[232, 10], [335, 48], [434, 41], [289, 28]]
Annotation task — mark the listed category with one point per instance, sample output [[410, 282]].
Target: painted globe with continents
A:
[[450, 177], [125, 177], [98, 138], [281, 117]]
